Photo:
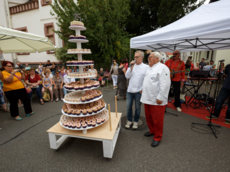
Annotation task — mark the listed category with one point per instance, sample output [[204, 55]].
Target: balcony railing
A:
[[24, 7]]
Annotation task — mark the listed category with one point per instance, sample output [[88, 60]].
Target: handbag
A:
[[46, 96], [28, 89]]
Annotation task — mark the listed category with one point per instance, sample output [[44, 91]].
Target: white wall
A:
[[34, 20], [217, 55], [223, 54], [3, 22]]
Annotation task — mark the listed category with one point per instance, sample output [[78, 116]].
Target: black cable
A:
[[28, 129]]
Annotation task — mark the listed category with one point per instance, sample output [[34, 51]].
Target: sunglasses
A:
[[175, 53]]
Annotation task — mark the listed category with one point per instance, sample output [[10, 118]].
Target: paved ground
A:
[[24, 145]]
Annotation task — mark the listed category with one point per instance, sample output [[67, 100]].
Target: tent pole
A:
[[129, 55]]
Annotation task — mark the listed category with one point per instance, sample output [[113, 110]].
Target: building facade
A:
[[215, 55], [31, 16]]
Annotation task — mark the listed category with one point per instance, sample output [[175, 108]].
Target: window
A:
[[48, 29], [46, 2], [23, 29]]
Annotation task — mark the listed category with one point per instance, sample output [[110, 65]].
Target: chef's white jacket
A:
[[136, 77], [156, 85]]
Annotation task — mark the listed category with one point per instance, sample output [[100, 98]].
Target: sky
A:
[[206, 2]]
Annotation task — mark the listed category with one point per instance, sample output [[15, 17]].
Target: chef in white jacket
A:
[[155, 96]]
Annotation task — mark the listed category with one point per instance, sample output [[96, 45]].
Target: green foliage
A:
[[148, 15], [104, 20], [143, 16], [173, 10]]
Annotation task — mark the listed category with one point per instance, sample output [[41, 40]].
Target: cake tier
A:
[[81, 75], [77, 28], [84, 123], [84, 89], [79, 40], [83, 97], [84, 114], [77, 86], [78, 77], [80, 102], [78, 52], [80, 62]]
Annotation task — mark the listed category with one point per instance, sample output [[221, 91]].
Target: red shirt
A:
[[178, 76], [192, 67], [126, 66], [34, 80]]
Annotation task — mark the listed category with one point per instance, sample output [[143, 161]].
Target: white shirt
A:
[[156, 85], [68, 80], [136, 77]]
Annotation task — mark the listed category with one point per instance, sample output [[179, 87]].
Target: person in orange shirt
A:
[[15, 90], [178, 65], [192, 66]]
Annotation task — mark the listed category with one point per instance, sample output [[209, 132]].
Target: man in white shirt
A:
[[135, 74], [155, 96], [67, 80]]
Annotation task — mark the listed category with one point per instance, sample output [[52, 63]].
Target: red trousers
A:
[[155, 119]]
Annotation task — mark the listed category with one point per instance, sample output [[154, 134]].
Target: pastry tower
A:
[[84, 108]]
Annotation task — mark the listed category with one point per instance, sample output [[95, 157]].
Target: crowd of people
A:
[[149, 84]]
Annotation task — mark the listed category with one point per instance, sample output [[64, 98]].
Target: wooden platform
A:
[[101, 133]]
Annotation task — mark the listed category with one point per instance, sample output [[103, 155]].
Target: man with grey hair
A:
[[176, 64], [135, 74], [155, 96], [19, 65]]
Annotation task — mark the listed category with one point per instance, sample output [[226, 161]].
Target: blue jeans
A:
[[64, 91], [129, 103], [224, 93], [38, 91]]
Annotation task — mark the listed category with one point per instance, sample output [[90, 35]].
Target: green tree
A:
[[173, 10], [143, 16], [148, 15], [104, 20]]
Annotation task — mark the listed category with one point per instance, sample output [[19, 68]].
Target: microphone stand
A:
[[210, 125], [169, 113]]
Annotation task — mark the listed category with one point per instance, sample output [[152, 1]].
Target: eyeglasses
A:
[[136, 56], [9, 66], [175, 53]]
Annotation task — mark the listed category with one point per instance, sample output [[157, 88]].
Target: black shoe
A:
[[227, 121], [155, 143], [148, 134], [213, 117]]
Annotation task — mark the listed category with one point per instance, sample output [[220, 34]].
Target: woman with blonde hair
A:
[[47, 83], [40, 67], [50, 74], [58, 85]]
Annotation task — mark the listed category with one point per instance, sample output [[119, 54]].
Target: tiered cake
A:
[[84, 108]]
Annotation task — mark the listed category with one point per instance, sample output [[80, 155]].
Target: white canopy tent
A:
[[206, 28]]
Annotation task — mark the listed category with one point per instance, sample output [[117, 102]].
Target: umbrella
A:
[[13, 41]]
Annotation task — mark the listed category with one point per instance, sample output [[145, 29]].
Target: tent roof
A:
[[206, 28]]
